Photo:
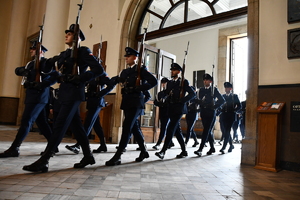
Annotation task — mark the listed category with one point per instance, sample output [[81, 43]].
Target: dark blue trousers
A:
[[34, 113], [208, 117], [69, 116], [191, 118]]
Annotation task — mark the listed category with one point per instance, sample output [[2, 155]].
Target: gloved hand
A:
[[75, 79], [23, 72], [114, 80]]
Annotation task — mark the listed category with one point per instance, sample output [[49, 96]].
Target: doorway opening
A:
[[239, 66]]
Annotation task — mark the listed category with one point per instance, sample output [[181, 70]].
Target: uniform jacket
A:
[[69, 91], [96, 90], [177, 105], [232, 104], [207, 101], [34, 95], [133, 96]]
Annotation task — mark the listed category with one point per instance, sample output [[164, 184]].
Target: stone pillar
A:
[[249, 143]]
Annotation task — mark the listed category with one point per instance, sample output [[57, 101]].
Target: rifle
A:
[[182, 92], [99, 60], [38, 49], [141, 58], [212, 84], [75, 45]]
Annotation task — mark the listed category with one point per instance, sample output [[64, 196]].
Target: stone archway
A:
[[128, 38]]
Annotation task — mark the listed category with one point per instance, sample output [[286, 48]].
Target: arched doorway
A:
[[130, 37]]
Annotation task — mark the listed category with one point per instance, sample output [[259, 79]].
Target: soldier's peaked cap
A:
[[130, 51], [44, 49], [227, 85], [175, 66], [71, 29], [207, 77]]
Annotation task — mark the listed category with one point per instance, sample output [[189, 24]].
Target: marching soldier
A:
[[228, 115], [71, 94], [37, 96], [208, 104], [176, 108], [160, 101], [96, 91], [191, 118], [132, 104]]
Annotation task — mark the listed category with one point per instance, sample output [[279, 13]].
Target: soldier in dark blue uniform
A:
[[176, 108], [71, 94], [96, 90], [228, 116], [37, 96], [191, 118], [132, 104], [208, 104], [161, 102]]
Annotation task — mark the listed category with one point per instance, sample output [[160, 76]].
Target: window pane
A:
[[176, 17], [198, 9], [227, 5]]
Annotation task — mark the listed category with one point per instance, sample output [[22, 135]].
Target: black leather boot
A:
[[160, 154], [198, 152], [86, 160], [115, 160], [41, 165], [211, 151], [182, 154], [100, 149], [142, 156], [74, 148], [12, 151]]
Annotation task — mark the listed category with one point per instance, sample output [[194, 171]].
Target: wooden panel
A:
[[9, 110]]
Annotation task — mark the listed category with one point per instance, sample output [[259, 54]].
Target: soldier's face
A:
[[227, 90], [32, 52], [130, 60], [207, 82], [69, 38], [174, 73]]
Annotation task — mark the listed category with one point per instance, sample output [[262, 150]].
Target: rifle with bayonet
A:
[[182, 92], [212, 84], [38, 54], [99, 60], [75, 45], [141, 59]]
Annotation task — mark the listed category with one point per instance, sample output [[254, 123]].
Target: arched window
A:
[[165, 17]]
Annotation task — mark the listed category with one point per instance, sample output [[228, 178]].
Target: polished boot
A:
[[86, 160], [115, 160], [198, 152], [117, 147], [74, 148], [211, 151], [11, 152], [195, 143], [156, 147], [41, 165], [230, 148], [100, 149], [160, 154], [222, 151], [142, 156], [182, 154]]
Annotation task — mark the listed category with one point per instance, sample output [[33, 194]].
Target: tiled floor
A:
[[192, 178]]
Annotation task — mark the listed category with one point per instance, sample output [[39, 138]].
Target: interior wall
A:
[[274, 66]]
